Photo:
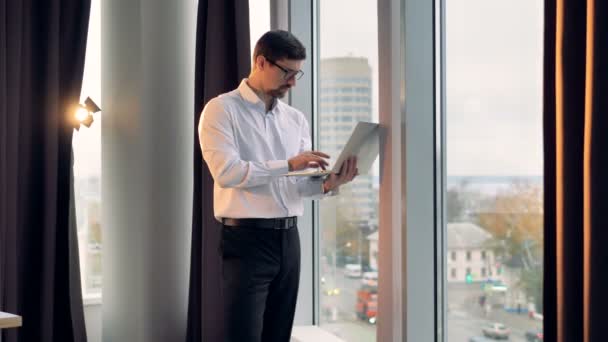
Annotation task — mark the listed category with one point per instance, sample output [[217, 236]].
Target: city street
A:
[[464, 321], [462, 325]]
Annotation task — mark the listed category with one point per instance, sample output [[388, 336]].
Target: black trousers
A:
[[260, 278]]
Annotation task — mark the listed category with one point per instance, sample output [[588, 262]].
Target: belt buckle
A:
[[281, 223]]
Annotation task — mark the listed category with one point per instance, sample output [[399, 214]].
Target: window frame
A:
[[91, 73], [297, 17], [408, 43]]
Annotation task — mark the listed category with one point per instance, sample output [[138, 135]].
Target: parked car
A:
[[534, 335], [496, 330], [352, 270], [369, 278], [535, 316]]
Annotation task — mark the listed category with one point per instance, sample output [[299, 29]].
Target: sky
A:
[[494, 87], [493, 78]]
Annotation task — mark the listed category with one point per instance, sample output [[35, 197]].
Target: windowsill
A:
[[91, 299], [312, 333]]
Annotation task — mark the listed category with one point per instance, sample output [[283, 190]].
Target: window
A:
[[453, 273], [493, 113], [86, 143], [259, 20], [87, 152], [348, 223], [453, 256]]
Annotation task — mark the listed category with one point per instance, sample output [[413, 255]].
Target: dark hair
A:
[[279, 44]]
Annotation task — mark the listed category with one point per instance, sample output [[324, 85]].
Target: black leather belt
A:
[[270, 223]]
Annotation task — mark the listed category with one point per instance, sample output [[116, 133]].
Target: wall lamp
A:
[[84, 113]]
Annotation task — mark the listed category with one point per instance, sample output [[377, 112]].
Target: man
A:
[[250, 139]]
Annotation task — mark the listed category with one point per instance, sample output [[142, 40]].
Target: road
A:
[[338, 316]]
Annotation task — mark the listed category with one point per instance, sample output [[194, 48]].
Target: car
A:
[[535, 316], [352, 270], [534, 335], [331, 291], [496, 330], [369, 278]]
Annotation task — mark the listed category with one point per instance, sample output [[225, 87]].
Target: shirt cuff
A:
[[278, 167]]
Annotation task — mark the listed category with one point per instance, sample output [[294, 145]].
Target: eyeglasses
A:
[[287, 73]]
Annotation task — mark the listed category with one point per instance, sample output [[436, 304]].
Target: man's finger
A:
[[353, 167], [342, 170], [349, 165], [319, 159], [347, 169], [322, 163], [320, 154]]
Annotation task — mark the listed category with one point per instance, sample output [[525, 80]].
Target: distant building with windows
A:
[[345, 98], [469, 254]]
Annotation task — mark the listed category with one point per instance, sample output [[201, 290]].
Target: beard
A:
[[279, 92]]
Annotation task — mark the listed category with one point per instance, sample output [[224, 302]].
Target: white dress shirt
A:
[[247, 148]]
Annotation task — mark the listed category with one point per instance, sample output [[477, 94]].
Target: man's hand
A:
[[307, 160], [348, 172]]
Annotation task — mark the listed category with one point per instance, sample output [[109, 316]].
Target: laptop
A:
[[364, 143]]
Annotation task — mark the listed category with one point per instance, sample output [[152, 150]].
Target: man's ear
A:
[[260, 62]]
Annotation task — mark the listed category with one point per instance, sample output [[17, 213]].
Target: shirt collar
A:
[[250, 96]]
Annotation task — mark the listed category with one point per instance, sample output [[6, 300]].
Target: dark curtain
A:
[[42, 51], [222, 60], [576, 165]]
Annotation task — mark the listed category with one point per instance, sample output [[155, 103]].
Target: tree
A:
[[531, 282], [461, 201], [514, 217], [344, 231], [456, 203]]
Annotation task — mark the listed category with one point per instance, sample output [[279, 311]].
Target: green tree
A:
[[514, 217], [532, 283], [456, 202]]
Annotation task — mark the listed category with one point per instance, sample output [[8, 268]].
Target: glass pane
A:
[[348, 223], [259, 20], [495, 169], [86, 143], [87, 150]]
